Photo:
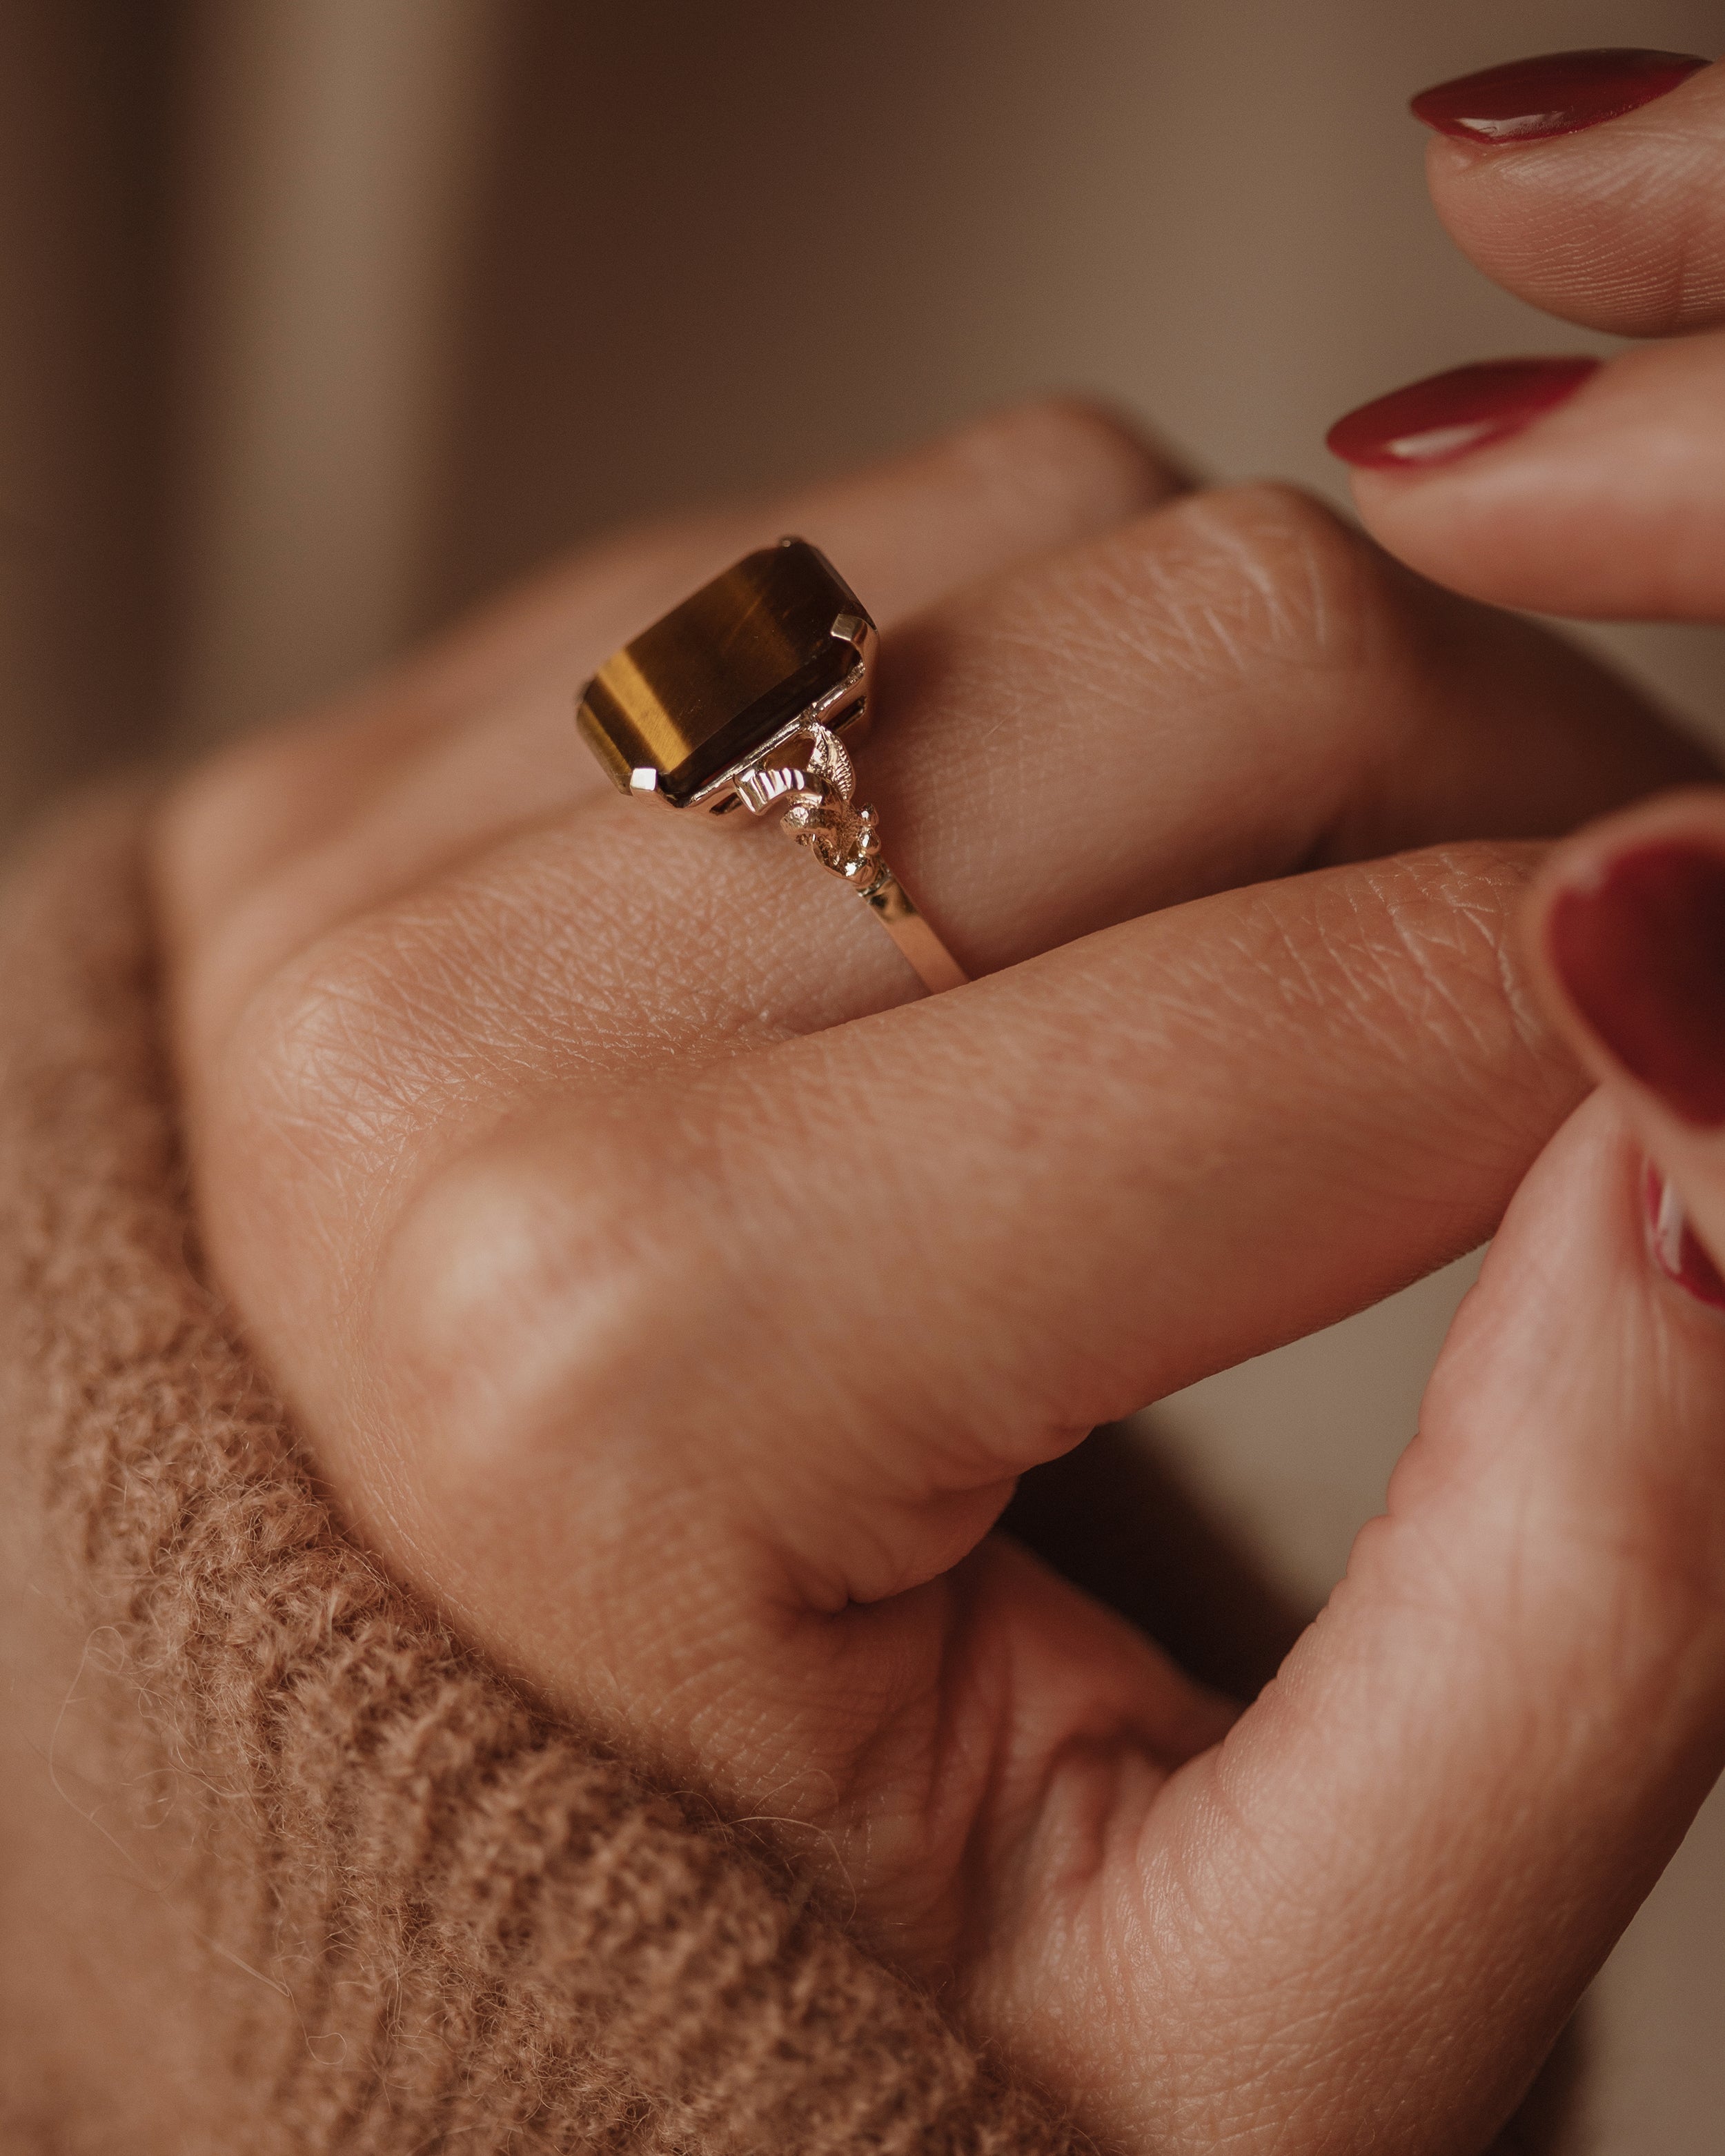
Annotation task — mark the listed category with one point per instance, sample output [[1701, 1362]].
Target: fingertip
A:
[[1595, 197], [1624, 928], [1443, 418], [1559, 483]]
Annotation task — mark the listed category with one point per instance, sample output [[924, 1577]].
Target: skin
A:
[[674, 1297]]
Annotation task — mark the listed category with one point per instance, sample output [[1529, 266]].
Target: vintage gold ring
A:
[[737, 699]]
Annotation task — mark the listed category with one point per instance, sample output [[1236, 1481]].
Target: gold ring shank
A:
[[894, 908]]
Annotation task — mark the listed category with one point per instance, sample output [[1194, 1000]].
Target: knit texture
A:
[[402, 1911]]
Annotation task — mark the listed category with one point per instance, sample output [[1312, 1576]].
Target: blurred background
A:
[[323, 317]]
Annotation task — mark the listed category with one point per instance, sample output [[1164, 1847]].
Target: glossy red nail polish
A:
[[1675, 1243], [1556, 94], [1639, 947], [1448, 416]]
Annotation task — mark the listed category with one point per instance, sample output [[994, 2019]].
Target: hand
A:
[[1591, 1354], [674, 1297]]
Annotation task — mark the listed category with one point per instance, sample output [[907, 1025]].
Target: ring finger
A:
[[470, 738], [1227, 690]]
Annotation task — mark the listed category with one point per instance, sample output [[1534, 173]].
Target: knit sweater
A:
[[283, 1865]]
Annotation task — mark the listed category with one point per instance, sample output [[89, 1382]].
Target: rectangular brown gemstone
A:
[[720, 675]]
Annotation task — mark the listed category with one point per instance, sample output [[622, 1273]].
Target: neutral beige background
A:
[[324, 316]]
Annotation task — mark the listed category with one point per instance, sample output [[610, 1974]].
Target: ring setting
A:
[[737, 701]]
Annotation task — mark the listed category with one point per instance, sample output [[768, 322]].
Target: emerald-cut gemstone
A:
[[687, 706]]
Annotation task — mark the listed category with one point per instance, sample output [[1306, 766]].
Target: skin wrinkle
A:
[[960, 1675], [1291, 966], [308, 1099], [1674, 283], [1206, 2094], [1486, 1100], [1321, 541], [1275, 532], [1124, 648], [1167, 605], [1701, 259], [398, 1082], [1638, 1525], [1442, 988], [1266, 2066]]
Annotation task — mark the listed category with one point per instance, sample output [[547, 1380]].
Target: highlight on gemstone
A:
[[720, 677]]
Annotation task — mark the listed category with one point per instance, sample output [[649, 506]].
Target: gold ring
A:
[[737, 699]]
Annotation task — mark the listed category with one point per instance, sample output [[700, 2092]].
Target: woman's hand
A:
[[675, 1299], [1591, 1357]]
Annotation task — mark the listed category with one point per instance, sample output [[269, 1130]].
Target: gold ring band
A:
[[930, 961], [737, 699]]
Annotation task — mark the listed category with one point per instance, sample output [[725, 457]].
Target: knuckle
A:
[[1258, 596], [1296, 584], [329, 1048], [516, 1302], [339, 1074], [1075, 450], [406, 1021]]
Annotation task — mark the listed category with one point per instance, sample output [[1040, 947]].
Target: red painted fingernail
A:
[[1449, 415], [1556, 93], [1675, 1243], [1639, 946]]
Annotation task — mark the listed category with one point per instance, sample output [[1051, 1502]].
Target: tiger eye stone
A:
[[712, 684]]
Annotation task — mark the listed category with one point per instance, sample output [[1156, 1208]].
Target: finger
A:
[[1488, 1749], [1594, 492], [1409, 1857], [1228, 689], [839, 1294], [1592, 184], [1626, 944], [911, 528]]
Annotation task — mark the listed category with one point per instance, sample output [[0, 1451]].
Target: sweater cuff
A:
[[283, 1866]]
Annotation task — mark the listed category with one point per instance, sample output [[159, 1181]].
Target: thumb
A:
[[1420, 1843]]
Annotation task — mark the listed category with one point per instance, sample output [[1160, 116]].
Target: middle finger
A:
[[1223, 691]]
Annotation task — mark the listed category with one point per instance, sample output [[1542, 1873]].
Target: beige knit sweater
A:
[[282, 1865]]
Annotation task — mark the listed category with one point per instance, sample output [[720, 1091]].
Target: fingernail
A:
[[1449, 415], [1675, 1243], [1555, 94], [1639, 944]]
